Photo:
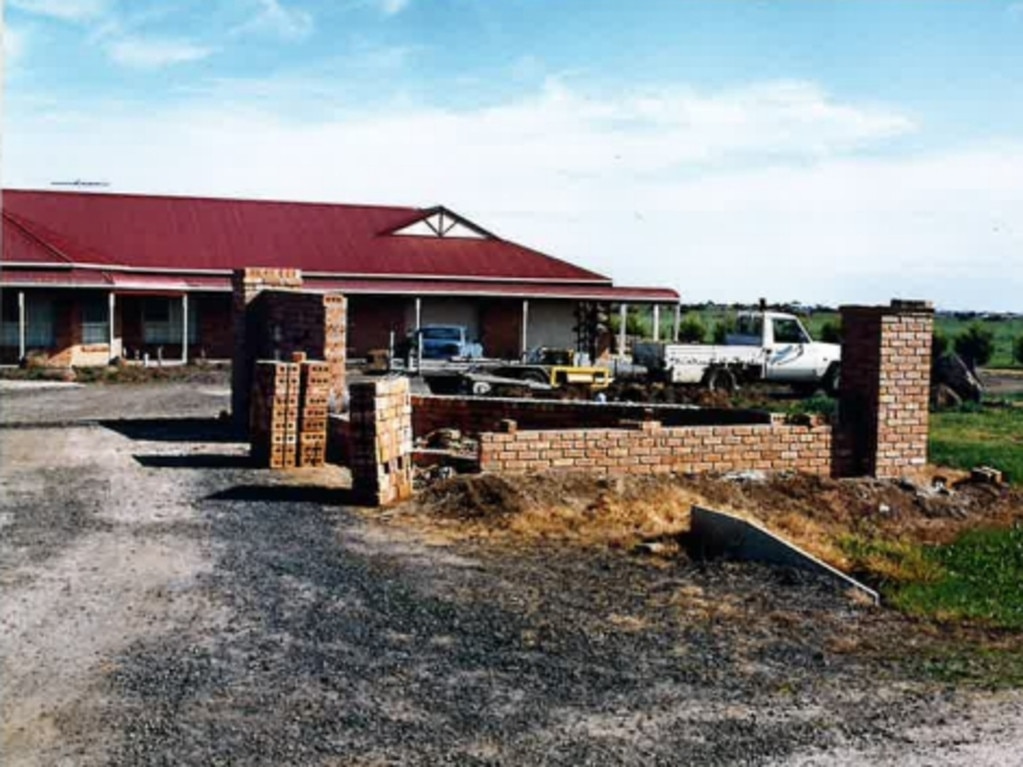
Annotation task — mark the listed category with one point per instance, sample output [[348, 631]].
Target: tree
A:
[[1017, 350], [939, 345], [723, 327], [692, 330], [975, 345]]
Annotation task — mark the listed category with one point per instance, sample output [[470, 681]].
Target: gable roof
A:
[[195, 235]]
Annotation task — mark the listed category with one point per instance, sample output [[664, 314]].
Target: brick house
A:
[[86, 278]]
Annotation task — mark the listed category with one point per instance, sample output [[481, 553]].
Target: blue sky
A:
[[820, 151]]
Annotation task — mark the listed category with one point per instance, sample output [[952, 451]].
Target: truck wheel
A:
[[831, 379], [722, 379]]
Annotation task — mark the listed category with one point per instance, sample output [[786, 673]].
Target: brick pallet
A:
[[273, 422], [315, 383], [288, 423]]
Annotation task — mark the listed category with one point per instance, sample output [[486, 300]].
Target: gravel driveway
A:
[[163, 603]]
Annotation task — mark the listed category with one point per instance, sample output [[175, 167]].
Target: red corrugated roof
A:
[[498, 289], [172, 282], [197, 234]]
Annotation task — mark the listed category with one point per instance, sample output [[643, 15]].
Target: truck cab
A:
[[444, 342], [790, 354]]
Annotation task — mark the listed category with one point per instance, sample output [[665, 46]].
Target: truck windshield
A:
[[789, 331]]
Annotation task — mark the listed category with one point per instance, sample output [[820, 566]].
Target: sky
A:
[[821, 151]]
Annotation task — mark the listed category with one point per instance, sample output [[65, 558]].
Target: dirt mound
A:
[[815, 512], [467, 497], [564, 506], [866, 506]]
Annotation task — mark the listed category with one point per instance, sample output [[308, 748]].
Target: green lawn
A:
[[979, 577], [972, 436]]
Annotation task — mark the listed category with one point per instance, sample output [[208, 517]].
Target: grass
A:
[[975, 435], [978, 577], [987, 667], [975, 578], [126, 374]]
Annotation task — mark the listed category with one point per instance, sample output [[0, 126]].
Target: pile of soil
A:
[[813, 511]]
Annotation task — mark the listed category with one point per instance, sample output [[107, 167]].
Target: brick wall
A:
[[884, 389], [68, 349], [474, 415], [655, 449], [271, 323], [372, 319], [380, 441], [501, 327], [216, 340]]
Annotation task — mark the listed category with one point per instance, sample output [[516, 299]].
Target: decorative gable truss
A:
[[441, 222]]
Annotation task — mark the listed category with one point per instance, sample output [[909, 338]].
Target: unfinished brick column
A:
[[380, 446], [884, 388], [272, 323], [246, 284]]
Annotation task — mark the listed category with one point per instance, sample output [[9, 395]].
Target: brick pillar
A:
[[380, 447], [883, 390], [245, 286]]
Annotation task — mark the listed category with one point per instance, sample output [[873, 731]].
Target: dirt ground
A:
[[161, 602]]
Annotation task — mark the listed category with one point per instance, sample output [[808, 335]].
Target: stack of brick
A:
[[312, 414], [288, 415], [335, 340], [380, 434], [884, 389], [273, 423]]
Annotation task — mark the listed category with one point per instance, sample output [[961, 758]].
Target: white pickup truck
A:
[[765, 346]]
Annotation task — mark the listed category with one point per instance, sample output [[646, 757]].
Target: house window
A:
[[95, 320], [38, 322], [161, 321]]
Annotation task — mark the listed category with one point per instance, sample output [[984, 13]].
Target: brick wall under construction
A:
[[881, 429], [380, 441], [884, 389], [649, 448]]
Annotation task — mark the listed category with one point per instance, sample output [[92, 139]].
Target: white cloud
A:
[[14, 44], [65, 10], [279, 20], [773, 189], [391, 7], [152, 53]]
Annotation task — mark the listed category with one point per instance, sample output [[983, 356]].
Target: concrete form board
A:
[[718, 533]]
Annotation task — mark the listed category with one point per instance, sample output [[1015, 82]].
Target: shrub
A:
[[692, 330], [831, 333], [1017, 350], [975, 345]]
